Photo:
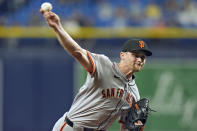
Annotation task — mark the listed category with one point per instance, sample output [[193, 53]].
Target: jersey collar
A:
[[120, 74]]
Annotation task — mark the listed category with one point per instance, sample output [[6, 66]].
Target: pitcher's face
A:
[[135, 60]]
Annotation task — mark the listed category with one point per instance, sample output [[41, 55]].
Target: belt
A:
[[70, 123]]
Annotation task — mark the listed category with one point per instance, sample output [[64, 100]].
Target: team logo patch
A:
[[141, 44]]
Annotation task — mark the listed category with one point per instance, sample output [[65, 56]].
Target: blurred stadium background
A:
[[38, 79]]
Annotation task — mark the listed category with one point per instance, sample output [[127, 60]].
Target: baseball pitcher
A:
[[110, 91]]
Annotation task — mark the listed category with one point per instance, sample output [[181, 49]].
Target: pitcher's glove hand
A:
[[138, 112]]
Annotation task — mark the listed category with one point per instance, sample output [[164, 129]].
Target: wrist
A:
[[57, 28]]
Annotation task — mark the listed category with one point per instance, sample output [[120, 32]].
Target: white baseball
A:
[[46, 6]]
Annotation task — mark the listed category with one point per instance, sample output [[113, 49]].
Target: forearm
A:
[[73, 48], [66, 40]]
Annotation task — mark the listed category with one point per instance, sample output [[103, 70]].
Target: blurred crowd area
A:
[[103, 13]]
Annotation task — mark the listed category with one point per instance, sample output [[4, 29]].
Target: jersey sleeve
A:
[[92, 60], [100, 63]]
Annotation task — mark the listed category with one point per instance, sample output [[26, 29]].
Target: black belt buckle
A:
[[88, 129], [69, 122]]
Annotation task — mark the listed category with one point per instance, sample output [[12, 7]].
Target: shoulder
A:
[[101, 63], [101, 58]]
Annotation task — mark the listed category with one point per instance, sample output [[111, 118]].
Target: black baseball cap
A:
[[135, 45]]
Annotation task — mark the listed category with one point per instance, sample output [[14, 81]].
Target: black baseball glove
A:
[[138, 112]]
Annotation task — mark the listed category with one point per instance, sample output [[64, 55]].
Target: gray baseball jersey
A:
[[105, 96]]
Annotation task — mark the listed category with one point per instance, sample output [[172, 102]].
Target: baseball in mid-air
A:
[[46, 6]]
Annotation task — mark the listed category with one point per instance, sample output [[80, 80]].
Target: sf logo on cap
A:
[[141, 44]]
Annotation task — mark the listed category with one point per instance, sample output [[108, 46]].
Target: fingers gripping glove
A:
[[138, 112]]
